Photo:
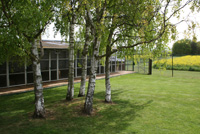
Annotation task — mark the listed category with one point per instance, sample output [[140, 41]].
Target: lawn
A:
[[142, 104]]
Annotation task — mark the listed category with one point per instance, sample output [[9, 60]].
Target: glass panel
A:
[[63, 64], [45, 76], [88, 62], [29, 68], [46, 54], [44, 65], [16, 67], [63, 74], [53, 64], [79, 63], [30, 78], [98, 70], [53, 54], [53, 75], [88, 71], [79, 71], [119, 68], [17, 79], [113, 68], [102, 69], [3, 68], [3, 81], [63, 54], [123, 66]]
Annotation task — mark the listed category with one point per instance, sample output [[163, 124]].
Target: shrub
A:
[[182, 47], [186, 47], [198, 47]]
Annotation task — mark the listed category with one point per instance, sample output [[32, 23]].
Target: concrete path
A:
[[27, 88]]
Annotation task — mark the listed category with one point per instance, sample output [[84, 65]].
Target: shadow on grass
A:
[[116, 117], [67, 117]]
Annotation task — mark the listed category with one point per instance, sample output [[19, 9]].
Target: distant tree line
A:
[[186, 47]]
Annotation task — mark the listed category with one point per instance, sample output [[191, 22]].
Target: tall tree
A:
[[95, 16], [84, 58], [28, 20], [66, 21], [70, 90], [144, 23]]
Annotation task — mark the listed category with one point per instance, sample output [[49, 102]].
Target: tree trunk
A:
[[107, 76], [83, 76], [84, 61], [92, 78], [38, 87], [70, 90]]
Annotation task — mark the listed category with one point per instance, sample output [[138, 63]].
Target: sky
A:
[[185, 14]]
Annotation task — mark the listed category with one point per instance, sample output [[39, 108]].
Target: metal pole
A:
[[76, 67], [49, 65], [150, 66], [57, 68], [115, 63], [7, 73], [25, 71]]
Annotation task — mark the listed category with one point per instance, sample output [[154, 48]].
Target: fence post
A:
[[150, 67]]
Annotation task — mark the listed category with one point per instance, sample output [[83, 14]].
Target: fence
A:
[[140, 66]]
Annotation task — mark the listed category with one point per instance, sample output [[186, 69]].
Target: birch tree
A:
[[70, 90], [28, 20], [84, 58], [95, 16], [139, 23], [66, 21]]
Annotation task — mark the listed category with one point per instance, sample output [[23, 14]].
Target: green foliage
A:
[[194, 49], [21, 22], [186, 47], [182, 47], [198, 47]]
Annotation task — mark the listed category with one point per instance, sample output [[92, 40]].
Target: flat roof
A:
[[49, 44]]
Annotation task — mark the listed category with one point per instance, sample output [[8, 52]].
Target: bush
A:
[[186, 47], [182, 47], [198, 47]]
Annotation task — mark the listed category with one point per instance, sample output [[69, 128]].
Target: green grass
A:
[[142, 104]]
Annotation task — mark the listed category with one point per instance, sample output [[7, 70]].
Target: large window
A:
[[54, 66], [3, 78]]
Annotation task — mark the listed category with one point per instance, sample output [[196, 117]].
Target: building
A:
[[54, 66]]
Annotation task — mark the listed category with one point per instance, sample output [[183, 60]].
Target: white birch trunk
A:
[[83, 76], [38, 87], [107, 80], [70, 90], [92, 78], [84, 62]]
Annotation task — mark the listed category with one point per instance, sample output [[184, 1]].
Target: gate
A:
[[143, 66]]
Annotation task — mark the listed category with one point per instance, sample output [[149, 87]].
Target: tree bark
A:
[[92, 79], [38, 87], [84, 61], [70, 90], [107, 76]]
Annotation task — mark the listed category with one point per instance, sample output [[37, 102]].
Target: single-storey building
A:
[[54, 66]]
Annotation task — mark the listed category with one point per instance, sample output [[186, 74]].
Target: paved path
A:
[[21, 89]]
